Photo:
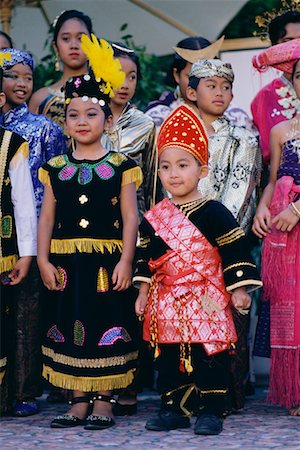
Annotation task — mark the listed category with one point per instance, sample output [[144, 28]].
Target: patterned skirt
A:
[[91, 331]]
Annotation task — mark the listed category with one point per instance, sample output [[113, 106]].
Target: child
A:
[[45, 139], [234, 171], [18, 225], [89, 226], [277, 221], [132, 132], [67, 30], [191, 265]]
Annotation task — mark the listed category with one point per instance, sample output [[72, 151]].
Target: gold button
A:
[[117, 224], [83, 199], [84, 223], [239, 273]]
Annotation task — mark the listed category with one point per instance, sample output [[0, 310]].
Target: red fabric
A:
[[281, 278], [183, 128], [266, 112], [188, 299], [281, 56]]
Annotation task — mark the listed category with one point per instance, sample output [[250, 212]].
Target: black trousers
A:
[[210, 375]]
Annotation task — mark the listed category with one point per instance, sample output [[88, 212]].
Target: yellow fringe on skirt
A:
[[84, 245], [88, 384], [7, 263]]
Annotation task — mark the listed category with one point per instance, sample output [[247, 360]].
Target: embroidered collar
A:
[[16, 114]]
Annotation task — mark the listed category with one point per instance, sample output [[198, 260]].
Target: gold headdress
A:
[[209, 52], [4, 56], [267, 17], [107, 69]]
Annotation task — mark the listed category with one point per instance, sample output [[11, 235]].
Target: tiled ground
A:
[[260, 426]]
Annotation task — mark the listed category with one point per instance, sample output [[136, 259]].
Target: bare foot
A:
[[295, 411], [78, 410], [102, 409]]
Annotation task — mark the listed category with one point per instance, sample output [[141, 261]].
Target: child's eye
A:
[[10, 75], [164, 167], [72, 115], [65, 39], [226, 88], [92, 114], [211, 86], [132, 77], [182, 165]]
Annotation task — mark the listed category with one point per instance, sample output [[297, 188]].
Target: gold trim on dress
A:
[[133, 175], [7, 263], [88, 384], [230, 237], [44, 176], [244, 263], [89, 363], [84, 245], [255, 283]]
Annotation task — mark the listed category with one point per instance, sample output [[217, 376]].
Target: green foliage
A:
[[243, 24], [45, 73]]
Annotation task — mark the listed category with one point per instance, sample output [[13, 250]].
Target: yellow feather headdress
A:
[[4, 56], [107, 69]]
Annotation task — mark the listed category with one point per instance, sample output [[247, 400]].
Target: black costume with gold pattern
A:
[[91, 330]]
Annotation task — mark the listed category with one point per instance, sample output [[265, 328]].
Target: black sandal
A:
[[68, 420], [94, 422]]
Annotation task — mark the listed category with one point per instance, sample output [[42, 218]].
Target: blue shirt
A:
[[44, 137]]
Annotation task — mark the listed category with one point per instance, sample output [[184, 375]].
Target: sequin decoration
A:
[[79, 333], [85, 174], [113, 334], [117, 158], [104, 171], [67, 173], [54, 334], [58, 161], [102, 280], [62, 277]]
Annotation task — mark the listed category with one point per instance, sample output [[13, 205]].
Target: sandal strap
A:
[[105, 398], [84, 399]]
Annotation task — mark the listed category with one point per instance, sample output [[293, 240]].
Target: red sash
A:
[[188, 302]]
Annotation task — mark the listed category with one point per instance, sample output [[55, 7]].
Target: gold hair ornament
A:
[[267, 17], [4, 56], [106, 68]]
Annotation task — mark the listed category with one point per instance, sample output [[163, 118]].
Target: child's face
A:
[[85, 121], [125, 93], [180, 173], [2, 100], [17, 84], [212, 96], [68, 44], [296, 79], [182, 79]]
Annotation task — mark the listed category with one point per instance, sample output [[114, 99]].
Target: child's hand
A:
[[241, 300], [286, 220], [121, 276], [50, 276], [262, 221], [140, 304], [20, 270]]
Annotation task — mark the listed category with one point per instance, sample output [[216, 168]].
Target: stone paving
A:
[[259, 426]]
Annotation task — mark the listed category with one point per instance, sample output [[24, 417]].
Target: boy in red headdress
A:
[[191, 264]]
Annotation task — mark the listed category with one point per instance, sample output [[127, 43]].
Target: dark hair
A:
[[277, 26], [294, 68], [193, 82], [8, 38], [190, 43], [127, 53], [1, 79], [71, 14]]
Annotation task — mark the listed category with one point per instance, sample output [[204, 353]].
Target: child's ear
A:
[[2, 99], [203, 172], [191, 94], [108, 123], [176, 75]]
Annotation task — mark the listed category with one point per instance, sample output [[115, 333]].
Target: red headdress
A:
[[281, 56], [183, 128]]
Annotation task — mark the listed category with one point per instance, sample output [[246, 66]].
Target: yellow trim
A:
[[232, 266], [7, 263], [256, 283], [2, 376], [214, 391], [139, 279], [44, 176], [88, 384], [89, 363], [230, 237], [133, 175], [84, 245], [24, 149]]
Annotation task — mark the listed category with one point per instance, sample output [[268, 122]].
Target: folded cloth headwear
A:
[[105, 74], [16, 57], [184, 129], [206, 68], [281, 56], [208, 52]]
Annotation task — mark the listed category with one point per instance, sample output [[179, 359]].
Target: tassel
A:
[[231, 350], [188, 365], [156, 352], [181, 366]]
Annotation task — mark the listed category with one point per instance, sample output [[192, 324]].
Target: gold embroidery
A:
[[214, 391], [230, 237], [6, 227], [102, 280], [58, 161], [84, 245], [91, 363], [7, 181], [117, 158], [117, 224], [114, 201], [244, 263], [3, 160], [7, 263]]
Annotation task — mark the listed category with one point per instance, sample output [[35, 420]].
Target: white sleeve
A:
[[23, 200]]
